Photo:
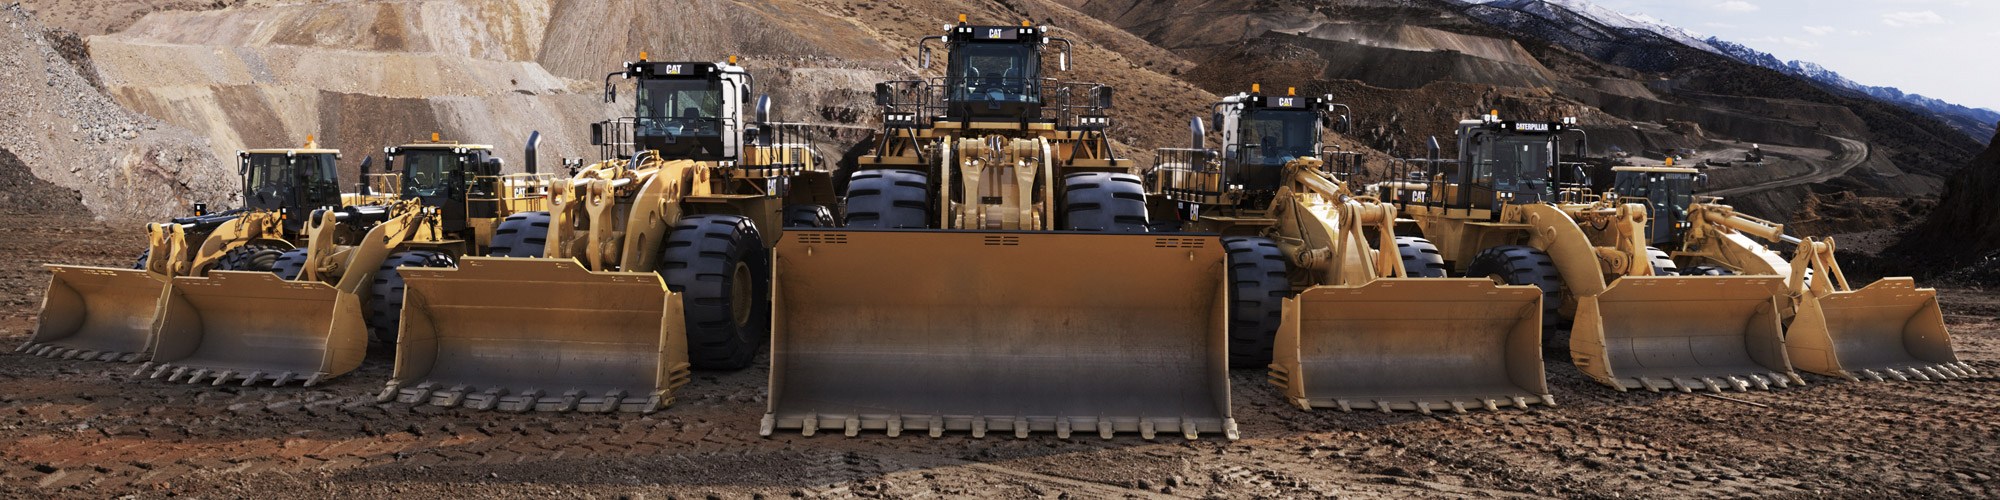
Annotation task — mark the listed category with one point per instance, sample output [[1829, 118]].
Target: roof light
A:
[[1256, 88], [1291, 91], [961, 19], [1026, 24], [732, 59], [642, 56], [434, 137]]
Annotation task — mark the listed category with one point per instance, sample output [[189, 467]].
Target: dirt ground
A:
[[89, 429]]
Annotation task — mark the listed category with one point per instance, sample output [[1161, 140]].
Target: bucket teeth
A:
[[24, 347], [223, 377], [141, 372], [486, 399], [250, 379], [159, 370], [281, 378]]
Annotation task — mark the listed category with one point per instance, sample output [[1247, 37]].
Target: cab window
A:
[[679, 107]]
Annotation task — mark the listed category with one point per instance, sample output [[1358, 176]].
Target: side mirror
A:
[[924, 57], [1346, 125], [1104, 97], [764, 109], [365, 164], [1701, 182], [1062, 60], [597, 134]]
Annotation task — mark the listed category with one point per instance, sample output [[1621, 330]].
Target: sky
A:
[[1945, 49]]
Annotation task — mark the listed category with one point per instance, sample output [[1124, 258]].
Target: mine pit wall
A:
[[361, 77]]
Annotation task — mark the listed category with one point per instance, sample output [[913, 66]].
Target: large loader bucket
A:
[[1413, 344], [96, 313], [254, 326], [1009, 332], [538, 334], [1683, 333], [1890, 329]]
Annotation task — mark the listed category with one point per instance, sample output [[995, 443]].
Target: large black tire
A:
[[1523, 265], [1707, 271], [718, 264], [888, 199], [385, 293], [1104, 202], [1258, 285], [1663, 264], [1421, 258], [808, 216], [290, 264], [524, 234], [255, 256]]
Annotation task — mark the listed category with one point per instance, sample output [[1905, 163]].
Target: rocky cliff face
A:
[[58, 125], [1966, 223]]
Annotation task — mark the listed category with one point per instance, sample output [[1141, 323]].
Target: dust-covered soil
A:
[[90, 429]]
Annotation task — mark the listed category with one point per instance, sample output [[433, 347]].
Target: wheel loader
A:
[[108, 314], [1509, 209], [646, 264], [1354, 316], [311, 316], [1889, 329], [994, 273]]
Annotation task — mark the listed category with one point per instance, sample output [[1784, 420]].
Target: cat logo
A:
[[671, 69]]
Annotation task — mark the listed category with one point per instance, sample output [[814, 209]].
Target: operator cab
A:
[[444, 175], [291, 182], [1668, 191], [994, 72], [1504, 162], [1261, 134], [683, 111]]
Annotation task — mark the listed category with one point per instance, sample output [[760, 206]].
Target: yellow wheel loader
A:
[[108, 314], [1889, 329], [646, 264], [1509, 209], [979, 284], [311, 316], [1345, 313]]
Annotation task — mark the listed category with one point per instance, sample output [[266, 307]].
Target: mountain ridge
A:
[[1977, 123]]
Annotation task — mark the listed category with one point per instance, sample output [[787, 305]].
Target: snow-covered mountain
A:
[[1976, 122], [1561, 10]]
